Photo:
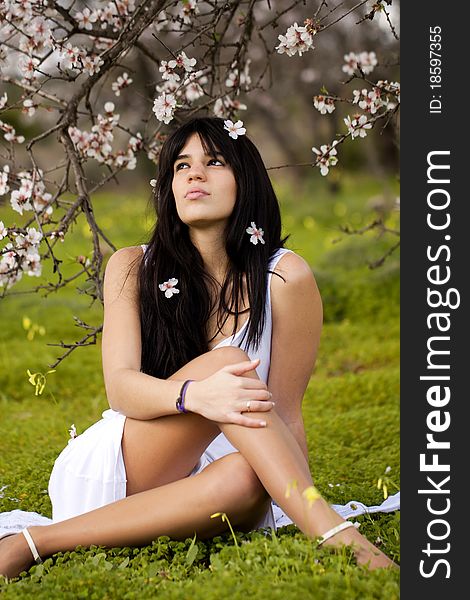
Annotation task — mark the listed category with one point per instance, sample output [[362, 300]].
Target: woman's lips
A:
[[194, 195]]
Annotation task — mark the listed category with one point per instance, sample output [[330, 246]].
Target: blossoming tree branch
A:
[[68, 67]]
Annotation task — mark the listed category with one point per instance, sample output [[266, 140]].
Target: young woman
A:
[[209, 340]]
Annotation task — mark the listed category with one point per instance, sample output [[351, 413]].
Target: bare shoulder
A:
[[124, 257], [121, 272], [296, 274], [297, 289]]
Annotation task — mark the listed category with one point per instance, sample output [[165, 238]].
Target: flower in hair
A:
[[169, 287], [256, 233], [234, 129]]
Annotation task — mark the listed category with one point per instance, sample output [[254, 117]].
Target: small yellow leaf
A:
[[26, 322]]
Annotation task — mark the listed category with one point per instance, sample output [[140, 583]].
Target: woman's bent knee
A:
[[240, 479], [229, 354], [210, 362]]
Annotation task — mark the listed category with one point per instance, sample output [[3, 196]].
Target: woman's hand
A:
[[225, 395]]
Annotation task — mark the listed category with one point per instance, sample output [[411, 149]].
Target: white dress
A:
[[90, 471]]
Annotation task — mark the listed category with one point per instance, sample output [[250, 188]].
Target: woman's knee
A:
[[210, 362], [240, 480], [228, 355]]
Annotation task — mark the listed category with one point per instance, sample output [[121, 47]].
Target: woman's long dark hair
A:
[[174, 330]]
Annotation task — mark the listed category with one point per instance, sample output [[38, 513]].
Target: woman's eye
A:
[[212, 160]]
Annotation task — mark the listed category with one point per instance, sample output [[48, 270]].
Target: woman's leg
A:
[[178, 509], [272, 452], [166, 449], [275, 457]]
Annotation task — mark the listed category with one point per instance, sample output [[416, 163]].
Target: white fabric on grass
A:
[[17, 520]]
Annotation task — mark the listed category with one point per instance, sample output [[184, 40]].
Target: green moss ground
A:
[[351, 412]]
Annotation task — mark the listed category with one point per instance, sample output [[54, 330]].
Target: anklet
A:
[[335, 530], [32, 547]]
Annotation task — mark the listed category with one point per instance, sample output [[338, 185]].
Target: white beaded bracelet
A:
[[335, 530]]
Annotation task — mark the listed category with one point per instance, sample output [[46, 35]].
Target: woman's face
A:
[[204, 186]]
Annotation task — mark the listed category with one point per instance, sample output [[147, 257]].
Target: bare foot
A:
[[366, 553], [15, 556]]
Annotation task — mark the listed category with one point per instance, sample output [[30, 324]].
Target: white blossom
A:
[[3, 230], [187, 9], [20, 201], [256, 234], [297, 40], [3, 100], [367, 61], [245, 78], [350, 63], [164, 107], [357, 126], [4, 187], [32, 264], [27, 66], [169, 287], [86, 18], [182, 62], [326, 157], [39, 30], [324, 104], [193, 91], [28, 107], [232, 79], [392, 87], [69, 56], [91, 64], [168, 73], [168, 86], [224, 106], [121, 82], [136, 143], [33, 236], [9, 133], [234, 129]]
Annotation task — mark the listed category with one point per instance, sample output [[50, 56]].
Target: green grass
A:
[[351, 413]]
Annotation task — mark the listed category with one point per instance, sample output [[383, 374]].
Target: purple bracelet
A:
[[180, 400]]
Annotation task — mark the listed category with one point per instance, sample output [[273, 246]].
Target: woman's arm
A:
[[220, 397], [129, 391], [297, 321]]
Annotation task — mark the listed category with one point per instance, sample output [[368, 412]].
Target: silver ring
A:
[[248, 404]]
